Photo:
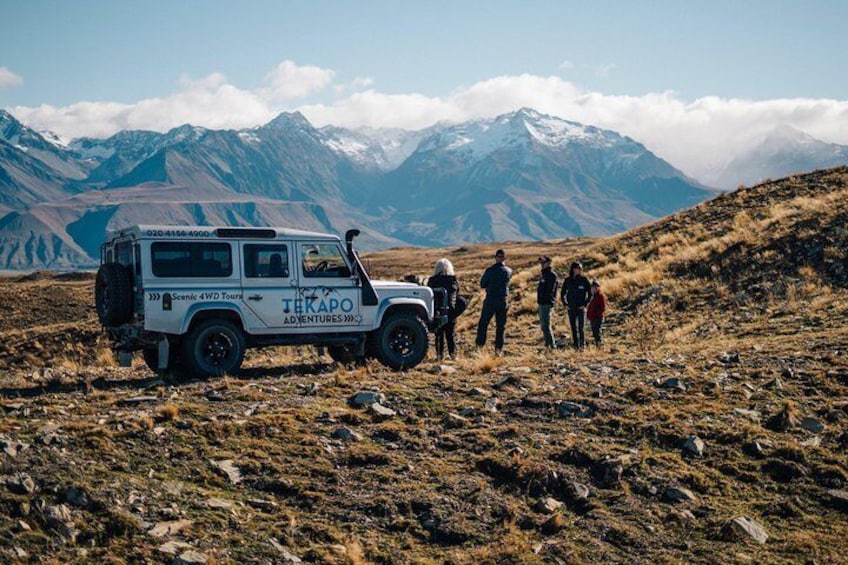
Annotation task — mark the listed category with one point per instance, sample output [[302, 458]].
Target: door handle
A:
[[255, 297]]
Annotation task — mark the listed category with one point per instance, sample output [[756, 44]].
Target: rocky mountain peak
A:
[[286, 120]]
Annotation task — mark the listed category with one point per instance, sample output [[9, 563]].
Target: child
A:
[[596, 310]]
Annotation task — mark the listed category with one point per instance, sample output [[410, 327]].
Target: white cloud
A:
[[8, 79], [696, 136], [288, 81], [209, 101], [566, 65]]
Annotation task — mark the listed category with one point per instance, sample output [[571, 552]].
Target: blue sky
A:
[[92, 67], [124, 51]]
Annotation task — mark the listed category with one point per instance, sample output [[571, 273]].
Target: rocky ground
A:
[[712, 428]]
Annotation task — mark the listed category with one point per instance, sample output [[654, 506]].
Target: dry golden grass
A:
[[168, 412], [416, 490]]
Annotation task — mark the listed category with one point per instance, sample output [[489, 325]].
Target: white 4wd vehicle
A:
[[193, 299]]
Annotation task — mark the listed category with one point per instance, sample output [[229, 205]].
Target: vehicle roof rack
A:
[[261, 233]]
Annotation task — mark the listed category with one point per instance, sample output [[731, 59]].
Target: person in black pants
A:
[[445, 277], [495, 281], [575, 295], [546, 292]]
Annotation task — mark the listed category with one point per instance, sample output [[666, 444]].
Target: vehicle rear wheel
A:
[[151, 359], [401, 342], [113, 294], [213, 348]]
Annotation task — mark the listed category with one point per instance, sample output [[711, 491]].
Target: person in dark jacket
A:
[[575, 296], [495, 281], [445, 277], [596, 311], [546, 293]]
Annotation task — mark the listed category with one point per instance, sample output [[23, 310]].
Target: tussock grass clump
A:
[[485, 363], [168, 412], [648, 327]]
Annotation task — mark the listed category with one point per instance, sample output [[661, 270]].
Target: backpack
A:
[[461, 305]]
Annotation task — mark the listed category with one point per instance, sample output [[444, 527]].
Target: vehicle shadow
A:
[[153, 381]]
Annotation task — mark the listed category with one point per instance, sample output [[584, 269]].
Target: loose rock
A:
[[11, 447], [346, 434], [381, 411], [839, 499], [285, 553], [548, 505], [672, 383], [76, 497], [694, 446], [578, 491], [228, 468], [366, 398], [812, 425], [679, 494], [21, 484], [747, 528], [572, 409], [138, 400], [219, 503], [169, 528], [174, 547], [191, 557], [751, 415], [454, 421]]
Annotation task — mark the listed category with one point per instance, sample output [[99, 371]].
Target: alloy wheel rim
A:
[[217, 348]]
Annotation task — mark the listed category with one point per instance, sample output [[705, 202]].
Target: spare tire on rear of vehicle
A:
[[113, 294]]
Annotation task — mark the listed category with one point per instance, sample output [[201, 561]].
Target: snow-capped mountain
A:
[[370, 148], [523, 175], [526, 175], [478, 139], [782, 152], [54, 155]]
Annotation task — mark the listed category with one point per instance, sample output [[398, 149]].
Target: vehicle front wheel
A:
[[401, 342], [213, 348]]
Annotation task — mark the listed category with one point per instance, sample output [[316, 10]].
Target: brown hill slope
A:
[[462, 472]]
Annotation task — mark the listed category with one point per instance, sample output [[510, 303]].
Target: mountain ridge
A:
[[522, 175]]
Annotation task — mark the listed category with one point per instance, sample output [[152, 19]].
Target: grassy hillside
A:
[[728, 324]]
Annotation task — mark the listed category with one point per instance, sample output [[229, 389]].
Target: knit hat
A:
[[596, 283], [576, 265]]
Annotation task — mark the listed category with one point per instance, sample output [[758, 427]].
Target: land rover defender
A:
[[192, 299]]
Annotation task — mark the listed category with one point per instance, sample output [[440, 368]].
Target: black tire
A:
[[213, 348], [113, 296], [401, 342], [151, 359], [344, 355]]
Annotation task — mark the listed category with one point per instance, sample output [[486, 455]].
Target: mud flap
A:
[[164, 353], [124, 358]]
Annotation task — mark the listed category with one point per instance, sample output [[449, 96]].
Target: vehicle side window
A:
[[323, 260], [137, 254], [266, 261], [191, 259], [123, 252]]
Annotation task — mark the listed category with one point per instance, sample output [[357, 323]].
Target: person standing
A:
[[546, 293], [444, 277], [596, 311], [575, 296], [495, 281]]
